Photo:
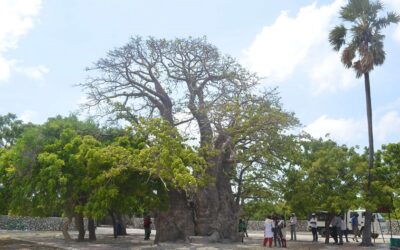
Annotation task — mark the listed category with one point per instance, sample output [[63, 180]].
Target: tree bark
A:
[[65, 227], [328, 220], [114, 222], [91, 229], [79, 223], [216, 210], [123, 224], [366, 239], [177, 222]]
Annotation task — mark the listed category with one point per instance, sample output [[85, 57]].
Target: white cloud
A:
[[5, 68], [330, 75], [342, 130], [82, 100], [388, 127], [28, 116], [16, 19], [35, 73], [284, 45], [300, 45], [354, 131]]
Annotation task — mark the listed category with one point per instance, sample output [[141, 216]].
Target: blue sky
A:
[[45, 46]]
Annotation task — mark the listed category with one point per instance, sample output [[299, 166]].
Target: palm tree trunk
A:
[[366, 239]]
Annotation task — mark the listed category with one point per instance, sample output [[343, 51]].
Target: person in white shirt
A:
[[293, 223], [313, 224], [268, 234], [337, 231]]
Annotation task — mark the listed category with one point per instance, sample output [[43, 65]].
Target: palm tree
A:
[[362, 50]]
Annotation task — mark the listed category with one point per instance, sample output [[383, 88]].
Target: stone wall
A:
[[55, 224], [33, 223], [259, 225]]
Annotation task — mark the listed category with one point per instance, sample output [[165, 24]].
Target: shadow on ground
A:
[[134, 240]]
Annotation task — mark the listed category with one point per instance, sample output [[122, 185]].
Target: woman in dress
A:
[[268, 234]]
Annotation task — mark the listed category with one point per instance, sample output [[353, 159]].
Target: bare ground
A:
[[134, 240]]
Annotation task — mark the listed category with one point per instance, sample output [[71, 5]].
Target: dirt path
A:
[[134, 240], [9, 243]]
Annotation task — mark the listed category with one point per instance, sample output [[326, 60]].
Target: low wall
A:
[[253, 225], [55, 224], [33, 223]]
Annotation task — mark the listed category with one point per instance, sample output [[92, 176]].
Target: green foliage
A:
[[10, 129], [260, 209], [387, 178], [262, 145], [328, 178], [66, 166]]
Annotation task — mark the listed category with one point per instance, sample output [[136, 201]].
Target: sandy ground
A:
[[134, 240]]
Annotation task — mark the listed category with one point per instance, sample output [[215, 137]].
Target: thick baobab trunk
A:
[[366, 239], [91, 229], [177, 223], [79, 224], [216, 210], [213, 211]]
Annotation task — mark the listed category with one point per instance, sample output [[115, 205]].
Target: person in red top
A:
[[147, 227]]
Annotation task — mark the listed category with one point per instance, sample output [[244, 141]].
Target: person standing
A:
[[268, 234], [275, 231], [245, 227], [314, 229], [242, 229], [282, 230], [354, 226], [344, 228], [337, 227], [293, 224], [147, 227]]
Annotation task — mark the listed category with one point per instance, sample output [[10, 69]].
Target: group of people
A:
[[338, 226], [275, 230]]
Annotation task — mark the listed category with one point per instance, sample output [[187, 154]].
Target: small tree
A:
[[388, 177], [362, 51], [327, 178]]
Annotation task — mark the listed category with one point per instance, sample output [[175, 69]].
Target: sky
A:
[[45, 46]]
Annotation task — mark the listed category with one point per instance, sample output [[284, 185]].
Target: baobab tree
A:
[[189, 82]]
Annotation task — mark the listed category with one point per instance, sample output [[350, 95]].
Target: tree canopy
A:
[[188, 82]]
